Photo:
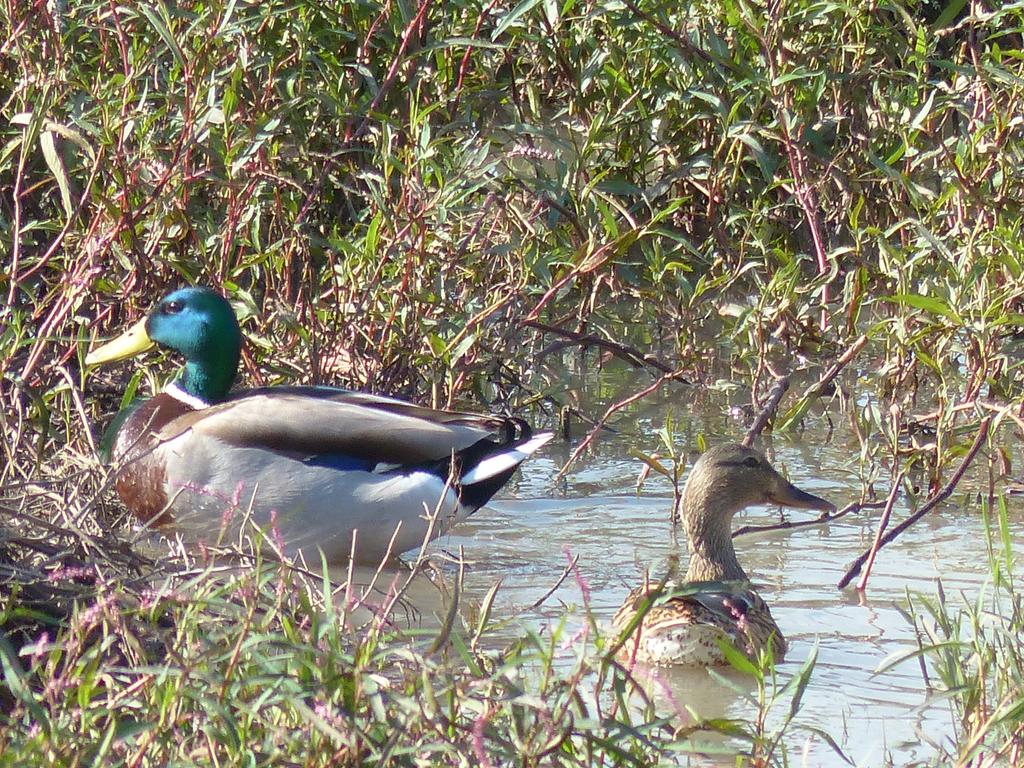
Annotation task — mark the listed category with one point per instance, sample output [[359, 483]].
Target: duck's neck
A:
[[209, 380], [709, 536]]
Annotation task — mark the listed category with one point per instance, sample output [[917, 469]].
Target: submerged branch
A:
[[558, 582], [883, 523], [933, 502], [822, 519]]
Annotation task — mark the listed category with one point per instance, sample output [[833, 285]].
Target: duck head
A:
[[199, 324], [725, 480]]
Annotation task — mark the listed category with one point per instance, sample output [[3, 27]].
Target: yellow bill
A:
[[130, 343]]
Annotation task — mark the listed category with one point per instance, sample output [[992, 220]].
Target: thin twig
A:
[[826, 379], [453, 608], [822, 519], [768, 411], [600, 256], [837, 366], [630, 354], [612, 409], [565, 574], [883, 523], [1011, 411], [934, 501]]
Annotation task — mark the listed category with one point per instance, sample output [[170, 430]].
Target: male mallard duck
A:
[[687, 620], [313, 465]]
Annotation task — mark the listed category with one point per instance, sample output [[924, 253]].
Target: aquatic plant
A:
[[405, 198], [971, 656]]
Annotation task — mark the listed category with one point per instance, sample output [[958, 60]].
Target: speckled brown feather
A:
[[742, 619]]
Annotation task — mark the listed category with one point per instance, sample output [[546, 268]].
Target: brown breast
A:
[[140, 468]]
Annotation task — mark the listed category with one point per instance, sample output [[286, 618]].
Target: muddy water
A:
[[525, 537]]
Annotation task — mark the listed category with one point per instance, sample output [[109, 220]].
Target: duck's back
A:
[[689, 629]]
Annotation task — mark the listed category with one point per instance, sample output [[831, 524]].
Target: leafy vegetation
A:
[[974, 657], [427, 199], [265, 664]]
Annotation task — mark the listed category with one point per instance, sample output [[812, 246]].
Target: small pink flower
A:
[[478, 739], [275, 531], [151, 597], [583, 585], [55, 687], [38, 649], [569, 642], [88, 617], [328, 715], [738, 613], [74, 573], [236, 497]]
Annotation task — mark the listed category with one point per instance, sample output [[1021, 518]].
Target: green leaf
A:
[[651, 462], [551, 12], [437, 345], [372, 235], [159, 23], [827, 738], [928, 303], [738, 660], [797, 685], [924, 111], [100, 758], [56, 166], [14, 679], [263, 134], [764, 161], [485, 611], [949, 13], [523, 8], [462, 347]]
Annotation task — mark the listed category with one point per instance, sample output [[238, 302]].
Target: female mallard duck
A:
[[686, 622], [312, 467]]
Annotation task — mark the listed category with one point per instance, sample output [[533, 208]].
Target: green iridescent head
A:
[[199, 324]]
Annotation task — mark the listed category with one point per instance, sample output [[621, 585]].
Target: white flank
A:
[[312, 509], [182, 396], [500, 462]]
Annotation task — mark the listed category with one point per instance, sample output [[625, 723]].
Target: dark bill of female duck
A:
[[782, 492], [318, 471]]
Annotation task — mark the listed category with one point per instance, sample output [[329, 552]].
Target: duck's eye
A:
[[751, 461], [173, 307]]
